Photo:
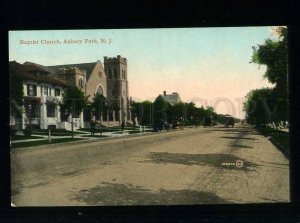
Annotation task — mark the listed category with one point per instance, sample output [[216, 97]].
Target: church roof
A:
[[88, 67]]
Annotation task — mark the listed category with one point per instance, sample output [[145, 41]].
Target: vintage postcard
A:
[[121, 117]]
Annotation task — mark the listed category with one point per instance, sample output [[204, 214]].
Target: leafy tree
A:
[[143, 111], [178, 112], [262, 107], [73, 102], [274, 55], [16, 93], [190, 113], [162, 113], [99, 105]]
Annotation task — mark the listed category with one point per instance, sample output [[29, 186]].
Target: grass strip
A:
[[21, 137], [280, 139], [42, 142]]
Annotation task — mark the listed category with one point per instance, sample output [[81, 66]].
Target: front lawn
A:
[[42, 142], [95, 136], [19, 137], [104, 129], [56, 132]]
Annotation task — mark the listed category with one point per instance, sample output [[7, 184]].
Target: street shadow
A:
[[214, 160], [238, 131], [241, 146], [237, 138], [115, 194]]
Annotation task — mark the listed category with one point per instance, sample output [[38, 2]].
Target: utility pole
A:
[[72, 115]]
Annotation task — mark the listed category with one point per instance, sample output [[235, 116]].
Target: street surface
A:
[[191, 166]]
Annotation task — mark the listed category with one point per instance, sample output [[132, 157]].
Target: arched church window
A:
[[109, 74], [100, 90]]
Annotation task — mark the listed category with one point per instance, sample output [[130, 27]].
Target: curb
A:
[[86, 140], [280, 147], [97, 139]]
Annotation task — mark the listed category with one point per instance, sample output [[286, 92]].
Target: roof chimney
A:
[[165, 93]]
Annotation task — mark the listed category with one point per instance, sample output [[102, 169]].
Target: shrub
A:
[[52, 127], [27, 131], [13, 130]]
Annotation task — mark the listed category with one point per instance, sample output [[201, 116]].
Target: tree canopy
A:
[[270, 104], [98, 105], [73, 101], [274, 55], [16, 93]]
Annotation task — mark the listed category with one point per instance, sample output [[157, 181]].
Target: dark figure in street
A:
[[229, 122], [92, 125], [123, 126], [207, 121]]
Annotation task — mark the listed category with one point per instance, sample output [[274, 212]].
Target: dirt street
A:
[[191, 166]]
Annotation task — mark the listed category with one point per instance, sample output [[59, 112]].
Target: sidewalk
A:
[[84, 135]]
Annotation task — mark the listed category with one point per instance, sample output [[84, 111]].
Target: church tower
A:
[[117, 87]]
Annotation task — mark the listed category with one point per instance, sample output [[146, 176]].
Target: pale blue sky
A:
[[206, 63]]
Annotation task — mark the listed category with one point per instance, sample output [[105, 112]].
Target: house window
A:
[[50, 110], [57, 92], [31, 90], [50, 91], [46, 91], [115, 73], [110, 74], [80, 83], [124, 74]]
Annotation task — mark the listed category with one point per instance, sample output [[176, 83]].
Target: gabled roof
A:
[[45, 68], [88, 67], [24, 72], [171, 98]]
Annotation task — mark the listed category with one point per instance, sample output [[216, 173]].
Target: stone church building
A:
[[109, 80]]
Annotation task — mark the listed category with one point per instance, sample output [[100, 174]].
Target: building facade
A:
[[46, 84]]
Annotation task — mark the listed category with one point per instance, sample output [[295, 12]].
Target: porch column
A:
[[44, 122], [114, 115], [23, 117], [81, 120], [58, 113]]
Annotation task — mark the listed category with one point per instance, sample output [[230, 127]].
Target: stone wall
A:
[[98, 77]]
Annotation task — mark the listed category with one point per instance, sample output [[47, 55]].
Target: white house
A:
[[42, 95]]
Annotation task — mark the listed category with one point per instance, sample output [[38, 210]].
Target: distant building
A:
[[43, 84], [172, 99]]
